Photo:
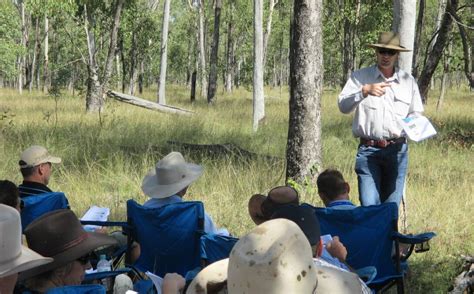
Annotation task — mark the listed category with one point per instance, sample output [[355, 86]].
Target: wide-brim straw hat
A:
[[389, 40], [275, 258], [262, 207], [170, 175], [60, 235], [15, 257]]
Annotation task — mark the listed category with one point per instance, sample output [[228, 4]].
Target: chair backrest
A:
[[216, 247], [168, 236], [79, 289], [39, 204], [366, 232]]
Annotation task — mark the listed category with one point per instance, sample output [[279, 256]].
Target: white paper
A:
[[326, 239], [157, 281], [95, 213], [418, 128]]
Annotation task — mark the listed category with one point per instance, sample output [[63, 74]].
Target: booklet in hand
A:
[[95, 213], [418, 128]]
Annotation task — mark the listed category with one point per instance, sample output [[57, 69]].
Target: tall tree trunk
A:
[[133, 64], [141, 76], [35, 53], [258, 95], [94, 100], [95, 86], [268, 31], [404, 21], [435, 55], [418, 33], [109, 62], [230, 60], [347, 56], [211, 92], [303, 151], [164, 52], [447, 60], [46, 73], [21, 58], [466, 46], [202, 50]]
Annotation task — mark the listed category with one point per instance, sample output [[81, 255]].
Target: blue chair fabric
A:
[[39, 204], [216, 247], [369, 233], [168, 236], [80, 289]]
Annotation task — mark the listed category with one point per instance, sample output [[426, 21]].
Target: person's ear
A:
[[348, 187]]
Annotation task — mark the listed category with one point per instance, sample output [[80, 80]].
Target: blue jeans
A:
[[381, 173]]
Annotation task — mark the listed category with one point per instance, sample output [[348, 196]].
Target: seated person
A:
[[334, 190], [332, 254], [168, 182], [9, 195], [275, 257], [14, 257], [59, 234], [262, 207], [36, 167]]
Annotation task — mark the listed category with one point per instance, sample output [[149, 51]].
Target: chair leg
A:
[[400, 286]]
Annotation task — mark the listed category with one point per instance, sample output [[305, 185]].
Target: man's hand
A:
[[377, 89], [337, 249], [173, 283], [101, 230]]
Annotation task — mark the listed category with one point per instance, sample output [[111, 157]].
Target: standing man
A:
[[381, 95]]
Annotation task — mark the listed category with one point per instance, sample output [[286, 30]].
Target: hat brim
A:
[[330, 280], [393, 47], [27, 259], [92, 242], [255, 208], [152, 189]]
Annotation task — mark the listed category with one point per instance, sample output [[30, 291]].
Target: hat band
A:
[[69, 245]]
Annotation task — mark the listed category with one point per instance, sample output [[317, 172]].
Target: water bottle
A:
[[103, 265]]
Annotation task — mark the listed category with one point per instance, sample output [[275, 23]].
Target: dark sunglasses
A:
[[86, 258], [387, 52]]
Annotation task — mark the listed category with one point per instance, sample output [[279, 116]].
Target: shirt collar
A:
[[394, 78], [340, 202]]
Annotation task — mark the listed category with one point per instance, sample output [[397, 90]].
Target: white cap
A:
[[36, 155]]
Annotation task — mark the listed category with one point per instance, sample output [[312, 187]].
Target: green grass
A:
[[105, 158]]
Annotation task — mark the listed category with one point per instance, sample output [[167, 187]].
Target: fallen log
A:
[[147, 104]]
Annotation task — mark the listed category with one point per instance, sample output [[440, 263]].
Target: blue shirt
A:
[[341, 204]]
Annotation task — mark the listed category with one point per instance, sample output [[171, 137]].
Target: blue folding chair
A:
[[39, 204], [80, 289], [370, 234], [168, 236], [216, 247]]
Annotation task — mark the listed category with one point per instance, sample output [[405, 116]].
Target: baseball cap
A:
[[36, 155], [305, 218]]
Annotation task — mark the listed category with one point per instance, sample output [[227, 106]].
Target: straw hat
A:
[[262, 207], [170, 175], [60, 235], [389, 40], [36, 155], [275, 258], [15, 257]]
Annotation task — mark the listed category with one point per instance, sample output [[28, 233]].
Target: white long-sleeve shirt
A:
[[377, 117]]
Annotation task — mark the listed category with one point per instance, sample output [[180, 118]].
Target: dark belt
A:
[[382, 143]]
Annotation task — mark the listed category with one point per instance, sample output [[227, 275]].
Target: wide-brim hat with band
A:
[[170, 175], [262, 207], [36, 155], [389, 40], [275, 257], [15, 257], [60, 235]]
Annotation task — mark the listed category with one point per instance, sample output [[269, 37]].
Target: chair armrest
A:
[[414, 239]]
